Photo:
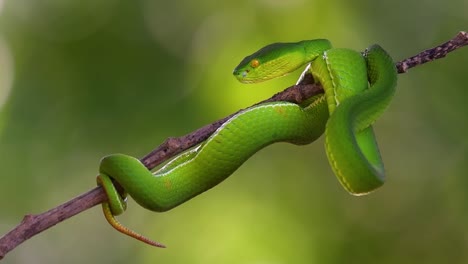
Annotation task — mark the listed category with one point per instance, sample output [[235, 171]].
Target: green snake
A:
[[357, 89]]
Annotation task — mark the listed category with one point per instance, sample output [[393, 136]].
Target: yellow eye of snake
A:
[[254, 63]]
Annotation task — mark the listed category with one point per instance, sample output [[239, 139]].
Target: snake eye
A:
[[254, 63]]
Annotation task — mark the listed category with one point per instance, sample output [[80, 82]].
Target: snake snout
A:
[[240, 75]]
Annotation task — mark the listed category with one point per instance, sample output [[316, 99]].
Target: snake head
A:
[[272, 61], [278, 59]]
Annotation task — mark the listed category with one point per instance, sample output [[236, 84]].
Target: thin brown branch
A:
[[460, 40], [35, 224], [31, 225]]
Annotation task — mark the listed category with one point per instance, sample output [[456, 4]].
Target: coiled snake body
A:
[[358, 87]]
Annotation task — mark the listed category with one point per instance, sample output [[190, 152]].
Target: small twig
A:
[[31, 225], [34, 224], [460, 40]]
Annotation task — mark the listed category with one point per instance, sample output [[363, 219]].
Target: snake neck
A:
[[314, 48]]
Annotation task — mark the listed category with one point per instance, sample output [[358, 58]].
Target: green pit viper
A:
[[357, 89]]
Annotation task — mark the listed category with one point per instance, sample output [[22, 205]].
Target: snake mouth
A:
[[242, 76]]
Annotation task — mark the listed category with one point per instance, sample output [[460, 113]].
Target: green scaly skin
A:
[[218, 157], [345, 112]]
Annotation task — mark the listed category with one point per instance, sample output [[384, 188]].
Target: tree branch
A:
[[34, 224]]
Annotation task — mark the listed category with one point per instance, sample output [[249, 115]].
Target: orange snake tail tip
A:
[[125, 230]]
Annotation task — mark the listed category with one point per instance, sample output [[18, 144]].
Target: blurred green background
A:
[[81, 79]]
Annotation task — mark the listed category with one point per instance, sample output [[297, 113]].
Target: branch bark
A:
[[34, 224]]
